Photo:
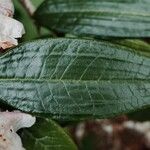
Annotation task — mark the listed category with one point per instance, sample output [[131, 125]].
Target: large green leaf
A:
[[46, 135], [75, 79], [108, 18]]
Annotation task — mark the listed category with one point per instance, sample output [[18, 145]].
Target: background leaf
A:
[[111, 18], [36, 3], [22, 15], [46, 135], [29, 24], [139, 45], [71, 79]]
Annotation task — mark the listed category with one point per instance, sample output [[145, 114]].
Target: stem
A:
[[27, 4]]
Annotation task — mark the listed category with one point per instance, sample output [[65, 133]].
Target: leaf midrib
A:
[[101, 12], [73, 80]]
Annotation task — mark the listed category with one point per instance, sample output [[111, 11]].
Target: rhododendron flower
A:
[[10, 29], [6, 8], [10, 122]]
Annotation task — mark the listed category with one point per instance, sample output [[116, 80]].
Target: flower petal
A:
[[6, 8], [10, 122], [11, 27]]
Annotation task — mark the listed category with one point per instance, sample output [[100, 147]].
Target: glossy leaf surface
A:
[[75, 79], [46, 135], [105, 18]]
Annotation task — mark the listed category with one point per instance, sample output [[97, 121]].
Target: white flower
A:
[[10, 29], [10, 122], [6, 8]]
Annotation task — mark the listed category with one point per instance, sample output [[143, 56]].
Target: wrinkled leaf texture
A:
[[71, 79], [98, 18]]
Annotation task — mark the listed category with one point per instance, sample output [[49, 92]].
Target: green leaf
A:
[[46, 135], [106, 18], [139, 45], [71, 79], [37, 2]]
